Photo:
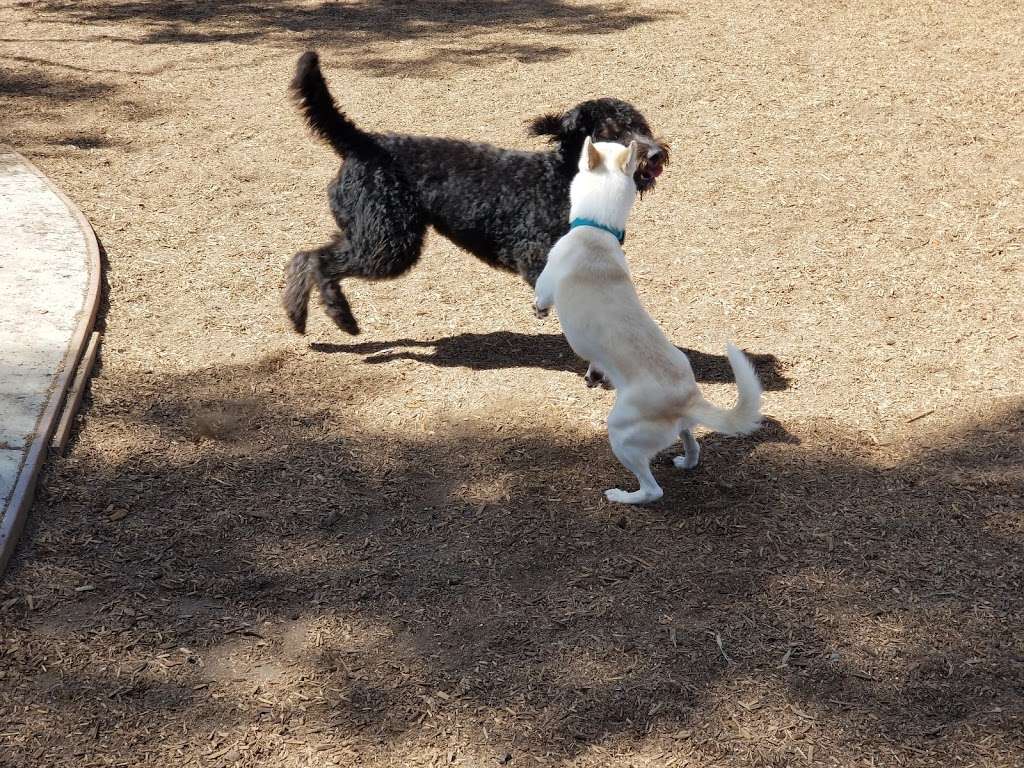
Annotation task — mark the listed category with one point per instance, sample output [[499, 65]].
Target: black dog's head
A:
[[606, 120]]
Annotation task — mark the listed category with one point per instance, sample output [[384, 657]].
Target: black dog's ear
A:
[[559, 127], [574, 121], [546, 125]]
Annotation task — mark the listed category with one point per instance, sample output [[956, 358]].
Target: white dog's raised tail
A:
[[745, 416]]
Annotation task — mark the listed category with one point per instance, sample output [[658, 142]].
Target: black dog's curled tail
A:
[[322, 115]]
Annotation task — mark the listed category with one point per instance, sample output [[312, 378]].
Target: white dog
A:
[[587, 281]]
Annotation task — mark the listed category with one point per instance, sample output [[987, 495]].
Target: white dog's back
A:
[[603, 319]]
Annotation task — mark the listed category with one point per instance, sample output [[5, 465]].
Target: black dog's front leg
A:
[[594, 378], [531, 270]]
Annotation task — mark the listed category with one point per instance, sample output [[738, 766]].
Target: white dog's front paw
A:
[[687, 461], [539, 313]]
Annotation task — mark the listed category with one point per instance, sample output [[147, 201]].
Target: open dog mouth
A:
[[650, 167], [647, 173]]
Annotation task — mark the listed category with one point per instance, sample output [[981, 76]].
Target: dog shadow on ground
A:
[[550, 351]]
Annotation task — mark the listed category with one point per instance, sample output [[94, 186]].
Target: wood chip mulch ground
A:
[[269, 550]]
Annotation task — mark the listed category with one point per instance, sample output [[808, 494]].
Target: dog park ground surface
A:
[[269, 550]]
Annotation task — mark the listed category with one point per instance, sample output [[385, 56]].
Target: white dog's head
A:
[[603, 190]]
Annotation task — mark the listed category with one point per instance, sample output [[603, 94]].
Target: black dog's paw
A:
[[298, 319], [343, 318], [594, 378], [348, 324]]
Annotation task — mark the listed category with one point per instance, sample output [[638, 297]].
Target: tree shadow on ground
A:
[[548, 351], [42, 94], [39, 85], [783, 594], [356, 27], [362, 21], [440, 61]]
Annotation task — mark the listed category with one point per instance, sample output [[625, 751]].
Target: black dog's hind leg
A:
[[320, 268], [330, 263], [386, 252], [316, 267], [382, 231], [299, 279]]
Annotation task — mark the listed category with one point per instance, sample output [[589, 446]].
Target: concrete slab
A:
[[49, 290], [10, 464]]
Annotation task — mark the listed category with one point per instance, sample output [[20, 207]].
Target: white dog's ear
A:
[[590, 158], [628, 159]]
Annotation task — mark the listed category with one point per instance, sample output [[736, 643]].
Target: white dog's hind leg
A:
[[634, 445], [691, 451]]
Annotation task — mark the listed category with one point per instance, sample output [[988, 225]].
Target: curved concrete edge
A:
[[15, 512]]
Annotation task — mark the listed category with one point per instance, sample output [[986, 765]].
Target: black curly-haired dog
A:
[[507, 207]]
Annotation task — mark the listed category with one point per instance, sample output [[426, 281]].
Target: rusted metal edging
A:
[[74, 397]]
